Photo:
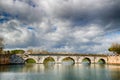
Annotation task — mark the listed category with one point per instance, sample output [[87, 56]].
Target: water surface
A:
[[60, 72]]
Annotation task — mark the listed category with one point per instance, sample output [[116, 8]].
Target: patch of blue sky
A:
[[112, 34], [5, 17], [4, 20], [30, 28], [27, 26], [5, 14]]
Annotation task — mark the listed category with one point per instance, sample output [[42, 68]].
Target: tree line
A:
[[115, 48]]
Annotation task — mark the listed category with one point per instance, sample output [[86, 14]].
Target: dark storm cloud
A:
[[22, 10], [102, 12], [79, 13]]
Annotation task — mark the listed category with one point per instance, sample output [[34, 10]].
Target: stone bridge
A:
[[58, 58]]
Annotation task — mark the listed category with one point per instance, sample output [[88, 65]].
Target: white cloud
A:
[[87, 33], [60, 25], [14, 34]]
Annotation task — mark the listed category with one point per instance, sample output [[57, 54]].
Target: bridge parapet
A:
[[78, 58]]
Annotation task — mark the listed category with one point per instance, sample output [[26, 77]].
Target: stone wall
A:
[[113, 59], [15, 59], [5, 58]]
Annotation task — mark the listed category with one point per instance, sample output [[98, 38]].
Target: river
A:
[[60, 72]]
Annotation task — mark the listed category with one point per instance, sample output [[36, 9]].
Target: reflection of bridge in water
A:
[[77, 58]]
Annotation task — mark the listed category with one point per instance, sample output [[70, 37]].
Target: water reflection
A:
[[11, 68], [60, 72], [68, 61], [69, 74], [48, 67]]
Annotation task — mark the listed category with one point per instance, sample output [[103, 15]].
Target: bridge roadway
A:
[[77, 58]]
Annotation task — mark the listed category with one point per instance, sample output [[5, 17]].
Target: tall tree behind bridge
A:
[[1, 44], [115, 48]]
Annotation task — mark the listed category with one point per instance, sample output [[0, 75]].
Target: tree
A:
[[115, 48], [17, 51], [1, 44]]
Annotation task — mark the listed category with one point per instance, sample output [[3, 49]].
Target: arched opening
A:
[[30, 60], [101, 61], [49, 60], [86, 61], [68, 61]]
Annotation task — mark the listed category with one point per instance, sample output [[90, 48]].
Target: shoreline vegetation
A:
[[22, 53], [5, 55]]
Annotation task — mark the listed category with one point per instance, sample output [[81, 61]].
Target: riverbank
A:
[[10, 59], [4, 59]]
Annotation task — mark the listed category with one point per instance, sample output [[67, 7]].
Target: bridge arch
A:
[[48, 60], [101, 61], [68, 60], [30, 60], [86, 60]]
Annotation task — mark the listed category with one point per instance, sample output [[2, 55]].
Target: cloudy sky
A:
[[84, 26]]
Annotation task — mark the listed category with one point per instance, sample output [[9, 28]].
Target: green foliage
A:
[[48, 59], [67, 59], [30, 60], [101, 61], [115, 48], [17, 51], [86, 60]]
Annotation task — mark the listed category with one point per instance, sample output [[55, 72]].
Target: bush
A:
[[115, 48], [17, 51], [30, 61]]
